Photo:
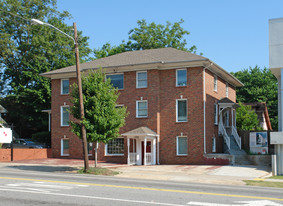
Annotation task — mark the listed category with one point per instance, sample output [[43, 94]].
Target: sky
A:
[[231, 33]]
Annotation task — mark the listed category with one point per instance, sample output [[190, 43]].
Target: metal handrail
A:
[[225, 135], [236, 137]]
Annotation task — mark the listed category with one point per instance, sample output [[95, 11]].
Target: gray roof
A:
[[226, 100], [141, 131], [163, 55]]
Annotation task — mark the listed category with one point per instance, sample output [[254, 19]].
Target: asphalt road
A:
[[18, 187]]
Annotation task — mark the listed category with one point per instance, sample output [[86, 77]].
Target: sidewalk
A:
[[183, 173]]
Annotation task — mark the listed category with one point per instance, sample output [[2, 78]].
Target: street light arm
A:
[[36, 21]]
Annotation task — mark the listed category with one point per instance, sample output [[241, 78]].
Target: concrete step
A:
[[242, 160]]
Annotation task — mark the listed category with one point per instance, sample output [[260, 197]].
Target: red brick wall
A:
[[211, 98], [23, 154], [161, 95]]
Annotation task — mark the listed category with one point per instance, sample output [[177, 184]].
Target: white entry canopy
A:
[[5, 135]]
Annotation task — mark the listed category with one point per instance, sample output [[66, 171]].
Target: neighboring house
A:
[[260, 109], [178, 103]]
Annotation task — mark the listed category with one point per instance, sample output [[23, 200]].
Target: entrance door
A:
[[148, 149]]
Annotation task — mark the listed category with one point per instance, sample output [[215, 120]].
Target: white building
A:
[[276, 67]]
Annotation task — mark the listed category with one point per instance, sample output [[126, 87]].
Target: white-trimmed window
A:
[[65, 116], [117, 80], [65, 147], [215, 113], [65, 86], [141, 79], [141, 108], [90, 148], [182, 146], [215, 83], [181, 77], [115, 147], [213, 144], [181, 110], [227, 89]]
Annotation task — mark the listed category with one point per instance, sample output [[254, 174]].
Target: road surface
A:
[[22, 187]]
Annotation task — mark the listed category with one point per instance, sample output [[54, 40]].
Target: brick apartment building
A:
[[180, 107]]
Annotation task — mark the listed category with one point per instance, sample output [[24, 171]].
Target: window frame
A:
[[177, 77], [62, 146], [61, 116], [177, 146], [137, 79], [119, 154], [215, 114], [215, 83], [177, 107], [137, 108], [107, 75], [90, 152], [62, 93]]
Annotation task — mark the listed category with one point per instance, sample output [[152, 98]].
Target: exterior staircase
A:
[[241, 157]]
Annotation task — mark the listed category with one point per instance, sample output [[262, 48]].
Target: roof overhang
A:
[[209, 65]]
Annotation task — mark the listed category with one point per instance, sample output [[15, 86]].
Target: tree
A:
[[26, 51], [260, 85], [150, 36], [246, 118], [102, 119]]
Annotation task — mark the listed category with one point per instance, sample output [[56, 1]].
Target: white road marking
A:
[[245, 203], [90, 197]]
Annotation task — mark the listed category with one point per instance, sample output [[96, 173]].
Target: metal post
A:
[[12, 146], [84, 141]]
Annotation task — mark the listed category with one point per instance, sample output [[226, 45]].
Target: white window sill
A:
[[65, 155], [111, 155], [182, 155]]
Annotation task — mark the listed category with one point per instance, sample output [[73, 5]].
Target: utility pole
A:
[[82, 115]]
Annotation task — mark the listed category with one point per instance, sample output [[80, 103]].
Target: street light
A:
[[75, 39]]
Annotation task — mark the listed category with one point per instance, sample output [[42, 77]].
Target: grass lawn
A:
[[264, 183], [98, 171], [277, 177]]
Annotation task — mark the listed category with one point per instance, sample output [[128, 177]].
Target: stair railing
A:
[[236, 137], [223, 132]]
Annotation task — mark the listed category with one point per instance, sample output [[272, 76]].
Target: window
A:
[[181, 110], [215, 114], [182, 146], [227, 89], [213, 144], [65, 86], [215, 83], [65, 117], [141, 79], [117, 80], [65, 147], [181, 77], [115, 147], [141, 108], [89, 148]]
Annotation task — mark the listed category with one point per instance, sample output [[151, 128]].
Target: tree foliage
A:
[[102, 119], [26, 51], [246, 118], [150, 36], [260, 85]]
